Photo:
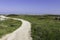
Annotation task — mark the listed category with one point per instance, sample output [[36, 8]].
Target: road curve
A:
[[22, 33]]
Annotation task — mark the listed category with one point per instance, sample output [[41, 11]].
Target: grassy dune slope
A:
[[8, 26], [43, 27]]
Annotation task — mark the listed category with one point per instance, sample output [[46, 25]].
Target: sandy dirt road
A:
[[22, 33]]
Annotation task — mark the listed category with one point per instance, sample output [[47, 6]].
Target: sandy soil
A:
[[22, 33]]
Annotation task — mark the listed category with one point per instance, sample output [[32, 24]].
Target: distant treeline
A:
[[30, 15], [54, 17]]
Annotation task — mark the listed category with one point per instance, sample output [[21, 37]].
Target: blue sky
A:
[[30, 6]]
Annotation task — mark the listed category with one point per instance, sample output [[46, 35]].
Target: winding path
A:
[[22, 33]]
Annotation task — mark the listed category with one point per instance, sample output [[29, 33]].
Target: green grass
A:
[[8, 26], [43, 27]]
